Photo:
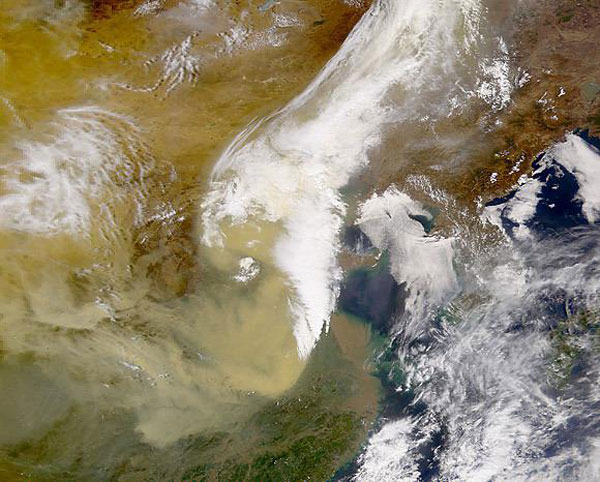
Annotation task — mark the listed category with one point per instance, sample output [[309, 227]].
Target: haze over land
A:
[[285, 240]]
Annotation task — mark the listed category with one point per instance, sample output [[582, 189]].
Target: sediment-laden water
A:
[[296, 239]]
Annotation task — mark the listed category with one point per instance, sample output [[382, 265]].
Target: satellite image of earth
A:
[[292, 240]]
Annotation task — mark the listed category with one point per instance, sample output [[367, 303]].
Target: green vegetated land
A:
[[303, 436]]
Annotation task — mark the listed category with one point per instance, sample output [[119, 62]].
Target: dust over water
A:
[[112, 316]]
